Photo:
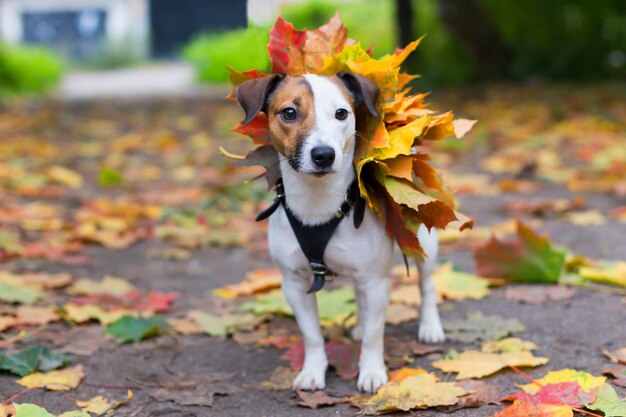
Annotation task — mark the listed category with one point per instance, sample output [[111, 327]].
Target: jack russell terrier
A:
[[312, 125]]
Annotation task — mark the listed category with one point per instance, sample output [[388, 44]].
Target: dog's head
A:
[[311, 117]]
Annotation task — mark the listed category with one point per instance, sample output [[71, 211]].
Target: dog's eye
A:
[[289, 114], [341, 114]]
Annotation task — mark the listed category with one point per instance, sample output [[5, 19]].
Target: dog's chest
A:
[[350, 252]]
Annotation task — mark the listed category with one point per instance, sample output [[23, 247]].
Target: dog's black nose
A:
[[323, 156]]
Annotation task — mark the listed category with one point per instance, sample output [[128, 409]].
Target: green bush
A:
[[242, 49], [27, 70]]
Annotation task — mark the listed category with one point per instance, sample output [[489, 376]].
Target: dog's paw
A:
[[310, 380], [357, 332], [370, 380], [431, 331]]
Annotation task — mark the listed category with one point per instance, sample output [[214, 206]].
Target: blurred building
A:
[[86, 29]]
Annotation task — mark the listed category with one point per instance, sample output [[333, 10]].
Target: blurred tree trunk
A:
[[478, 34], [404, 17]]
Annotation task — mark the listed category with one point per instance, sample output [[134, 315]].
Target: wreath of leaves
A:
[[395, 174]]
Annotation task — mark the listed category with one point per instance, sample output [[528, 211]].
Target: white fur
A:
[[364, 255]]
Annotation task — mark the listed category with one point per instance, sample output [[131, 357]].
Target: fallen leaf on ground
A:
[[526, 409], [479, 327], [569, 393], [586, 381], [280, 379], [619, 373], [475, 364], [190, 390], [586, 218], [457, 286], [535, 294], [100, 405], [527, 258], [107, 285], [420, 391], [184, 325], [29, 360], [480, 393], [83, 313], [617, 356], [609, 274], [222, 325], [318, 399], [135, 329], [400, 313], [342, 355], [257, 281], [609, 402], [30, 410], [14, 290], [63, 380], [510, 344], [402, 374]]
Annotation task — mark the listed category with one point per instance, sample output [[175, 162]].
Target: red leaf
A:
[[286, 48], [344, 357], [528, 258], [295, 355], [258, 129], [569, 393], [154, 301]]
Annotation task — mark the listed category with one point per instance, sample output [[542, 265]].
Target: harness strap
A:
[[314, 239]]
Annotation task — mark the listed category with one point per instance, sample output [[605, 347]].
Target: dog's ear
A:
[[364, 91], [252, 94]]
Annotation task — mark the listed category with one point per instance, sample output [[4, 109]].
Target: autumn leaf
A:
[[84, 313], [522, 408], [257, 281], [63, 380], [29, 360], [30, 410], [569, 393], [286, 48], [221, 325], [585, 380], [13, 290], [617, 356], [475, 364], [317, 399], [508, 345], [280, 379], [609, 402], [402, 374], [528, 258], [480, 327], [65, 176], [107, 285], [457, 286], [100, 405], [135, 329], [609, 274], [419, 391]]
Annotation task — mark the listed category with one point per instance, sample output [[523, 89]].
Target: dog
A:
[[312, 125]]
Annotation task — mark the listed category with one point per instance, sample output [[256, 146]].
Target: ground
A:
[[571, 333]]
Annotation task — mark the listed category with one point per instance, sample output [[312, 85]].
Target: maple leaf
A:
[[63, 380], [30, 410], [585, 380], [480, 327], [528, 258], [522, 408], [29, 360], [609, 402], [475, 364], [318, 399], [258, 129], [569, 393], [280, 379], [257, 281], [221, 325], [419, 391], [100, 405], [617, 356], [107, 285], [610, 274], [454, 285], [402, 374], [286, 48], [342, 355], [135, 329]]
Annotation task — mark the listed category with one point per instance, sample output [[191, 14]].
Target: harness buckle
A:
[[321, 269]]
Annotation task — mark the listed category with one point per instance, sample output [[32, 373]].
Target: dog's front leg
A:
[[372, 371], [304, 306], [430, 328]]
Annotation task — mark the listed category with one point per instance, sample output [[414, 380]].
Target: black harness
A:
[[314, 239]]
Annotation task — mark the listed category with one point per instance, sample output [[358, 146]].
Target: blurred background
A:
[[467, 40]]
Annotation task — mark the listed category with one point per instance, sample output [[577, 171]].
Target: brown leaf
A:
[[617, 356], [481, 393], [318, 399]]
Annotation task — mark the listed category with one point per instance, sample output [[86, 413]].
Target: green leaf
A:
[[135, 329], [222, 325], [13, 292], [108, 177], [609, 402], [34, 358], [30, 410], [528, 258]]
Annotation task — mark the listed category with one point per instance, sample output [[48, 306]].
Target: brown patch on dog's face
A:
[[288, 135]]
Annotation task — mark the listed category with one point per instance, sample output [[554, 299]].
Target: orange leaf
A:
[[258, 130], [528, 409], [285, 48]]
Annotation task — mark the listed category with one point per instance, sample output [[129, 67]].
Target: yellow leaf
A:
[[587, 218], [510, 344], [615, 274], [82, 313], [586, 381], [63, 380], [99, 405], [419, 391], [108, 285], [257, 281], [475, 364], [401, 140], [457, 286], [400, 313], [65, 176]]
